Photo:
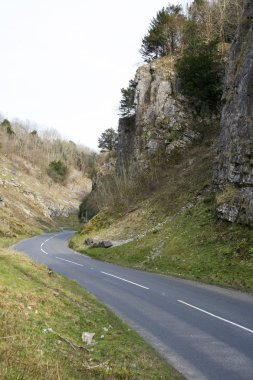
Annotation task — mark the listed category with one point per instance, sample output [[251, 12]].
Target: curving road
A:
[[205, 332]]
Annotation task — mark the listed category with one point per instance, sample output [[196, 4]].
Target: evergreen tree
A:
[[200, 70], [127, 106], [108, 139], [164, 34]]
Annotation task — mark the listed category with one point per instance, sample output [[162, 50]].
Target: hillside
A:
[[180, 198], [174, 229], [31, 199]]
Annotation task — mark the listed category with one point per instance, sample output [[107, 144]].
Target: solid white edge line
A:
[[217, 317], [68, 261], [123, 279]]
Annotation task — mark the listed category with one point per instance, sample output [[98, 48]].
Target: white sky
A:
[[64, 62]]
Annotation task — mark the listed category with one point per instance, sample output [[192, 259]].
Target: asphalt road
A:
[[205, 332]]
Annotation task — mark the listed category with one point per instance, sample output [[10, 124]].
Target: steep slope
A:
[[42, 177], [30, 201], [175, 230], [168, 222]]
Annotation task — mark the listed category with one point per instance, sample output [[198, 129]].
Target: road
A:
[[203, 331]]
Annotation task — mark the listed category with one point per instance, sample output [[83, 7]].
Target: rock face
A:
[[164, 121], [233, 177]]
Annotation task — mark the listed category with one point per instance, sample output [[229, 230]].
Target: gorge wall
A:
[[164, 121], [233, 176]]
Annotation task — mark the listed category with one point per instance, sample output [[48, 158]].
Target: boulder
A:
[[95, 243]]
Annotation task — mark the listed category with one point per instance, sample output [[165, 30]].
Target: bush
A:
[[58, 171]]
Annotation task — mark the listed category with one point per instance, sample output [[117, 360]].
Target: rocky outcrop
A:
[[164, 121], [233, 177]]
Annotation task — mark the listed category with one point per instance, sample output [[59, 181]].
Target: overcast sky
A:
[[63, 62]]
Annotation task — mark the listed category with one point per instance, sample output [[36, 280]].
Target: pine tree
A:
[[127, 106], [200, 69], [164, 34], [108, 139]]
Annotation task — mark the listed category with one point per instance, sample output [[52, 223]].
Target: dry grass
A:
[[175, 188], [29, 198], [228, 195]]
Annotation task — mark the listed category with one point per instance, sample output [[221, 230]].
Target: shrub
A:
[[58, 171]]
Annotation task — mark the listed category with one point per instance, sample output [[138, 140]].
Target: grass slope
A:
[[42, 318], [176, 230], [194, 245]]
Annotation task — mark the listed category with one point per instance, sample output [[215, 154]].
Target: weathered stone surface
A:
[[95, 243], [164, 120], [235, 152]]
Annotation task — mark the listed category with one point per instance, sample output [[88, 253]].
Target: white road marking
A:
[[45, 243], [68, 261], [123, 279], [217, 317]]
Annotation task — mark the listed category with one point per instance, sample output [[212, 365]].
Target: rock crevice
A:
[[235, 152]]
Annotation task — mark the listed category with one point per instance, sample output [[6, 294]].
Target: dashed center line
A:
[[216, 316], [123, 279], [68, 261]]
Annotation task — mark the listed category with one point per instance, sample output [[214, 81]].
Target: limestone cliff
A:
[[164, 120], [233, 177]]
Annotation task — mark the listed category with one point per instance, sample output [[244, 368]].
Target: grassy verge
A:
[[42, 318], [194, 245]]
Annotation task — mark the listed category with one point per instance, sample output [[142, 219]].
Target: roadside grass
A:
[[42, 318], [195, 245]]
